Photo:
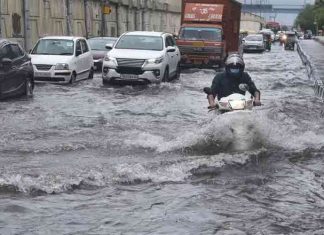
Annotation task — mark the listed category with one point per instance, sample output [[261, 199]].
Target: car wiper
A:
[[65, 53]]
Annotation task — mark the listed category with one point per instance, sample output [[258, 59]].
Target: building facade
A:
[[26, 21]]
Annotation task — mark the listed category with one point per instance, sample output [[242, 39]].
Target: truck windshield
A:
[[205, 34]]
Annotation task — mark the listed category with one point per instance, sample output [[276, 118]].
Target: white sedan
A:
[[142, 57], [59, 59]]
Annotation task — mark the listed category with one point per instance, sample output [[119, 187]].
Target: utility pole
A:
[[86, 21], [69, 17], [27, 28], [105, 6]]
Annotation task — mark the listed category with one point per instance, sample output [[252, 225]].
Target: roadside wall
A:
[[251, 23], [318, 83], [26, 21]]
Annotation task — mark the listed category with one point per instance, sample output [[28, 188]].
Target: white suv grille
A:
[[130, 62]]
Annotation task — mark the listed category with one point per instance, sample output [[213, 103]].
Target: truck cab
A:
[[201, 44], [209, 32]]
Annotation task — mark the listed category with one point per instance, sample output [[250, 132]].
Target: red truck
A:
[[209, 32]]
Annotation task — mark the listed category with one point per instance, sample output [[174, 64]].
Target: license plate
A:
[[129, 76], [42, 74], [198, 44]]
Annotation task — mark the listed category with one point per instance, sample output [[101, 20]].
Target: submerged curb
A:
[[311, 71]]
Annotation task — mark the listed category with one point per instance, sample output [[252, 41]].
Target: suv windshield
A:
[[205, 34], [100, 44], [254, 38], [54, 47], [138, 42]]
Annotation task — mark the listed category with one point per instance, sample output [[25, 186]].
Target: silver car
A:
[[253, 42]]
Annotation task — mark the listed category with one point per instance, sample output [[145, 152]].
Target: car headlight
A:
[[61, 66], [156, 60], [111, 59]]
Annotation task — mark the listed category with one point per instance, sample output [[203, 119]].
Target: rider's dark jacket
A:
[[224, 85]]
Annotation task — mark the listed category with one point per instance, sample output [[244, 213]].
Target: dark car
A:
[[290, 40], [308, 34], [16, 71], [98, 49]]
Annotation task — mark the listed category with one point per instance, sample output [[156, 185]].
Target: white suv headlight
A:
[[61, 66], [111, 59], [155, 61]]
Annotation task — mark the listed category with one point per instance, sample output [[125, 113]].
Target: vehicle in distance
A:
[[16, 71], [61, 59], [142, 57], [253, 42], [99, 50], [308, 34], [290, 40]]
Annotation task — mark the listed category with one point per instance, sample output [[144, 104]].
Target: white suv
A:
[[142, 57], [62, 59]]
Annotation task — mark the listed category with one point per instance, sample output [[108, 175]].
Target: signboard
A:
[[106, 10], [198, 12]]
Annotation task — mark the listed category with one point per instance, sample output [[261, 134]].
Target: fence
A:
[[26, 21]]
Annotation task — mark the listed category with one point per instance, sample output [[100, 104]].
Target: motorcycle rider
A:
[[227, 82]]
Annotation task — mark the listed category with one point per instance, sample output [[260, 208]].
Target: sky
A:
[[284, 19]]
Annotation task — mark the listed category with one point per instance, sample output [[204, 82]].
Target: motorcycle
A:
[[233, 102]]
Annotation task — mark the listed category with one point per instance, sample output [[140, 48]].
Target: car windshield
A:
[[205, 34], [254, 38], [54, 47], [100, 44], [139, 42]]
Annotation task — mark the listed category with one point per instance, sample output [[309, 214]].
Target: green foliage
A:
[[309, 16], [306, 18], [319, 16]]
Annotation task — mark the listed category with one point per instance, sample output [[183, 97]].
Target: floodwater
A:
[[94, 159]]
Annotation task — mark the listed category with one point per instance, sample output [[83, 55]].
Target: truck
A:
[[209, 32]]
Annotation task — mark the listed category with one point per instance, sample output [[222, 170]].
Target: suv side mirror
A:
[[171, 49], [109, 46], [6, 63], [78, 52]]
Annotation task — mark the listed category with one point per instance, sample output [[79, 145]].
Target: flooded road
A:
[[92, 159]]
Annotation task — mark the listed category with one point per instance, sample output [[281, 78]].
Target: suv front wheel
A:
[[166, 75], [29, 87]]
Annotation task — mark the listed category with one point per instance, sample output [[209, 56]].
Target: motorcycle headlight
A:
[[156, 60], [61, 66]]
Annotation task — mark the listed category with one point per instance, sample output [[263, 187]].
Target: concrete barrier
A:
[[311, 71]]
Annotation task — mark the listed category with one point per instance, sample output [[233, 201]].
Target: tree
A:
[[311, 14], [305, 19], [319, 15]]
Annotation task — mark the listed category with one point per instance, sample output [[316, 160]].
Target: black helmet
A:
[[234, 65]]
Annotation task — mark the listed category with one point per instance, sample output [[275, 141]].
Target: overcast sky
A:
[[286, 19]]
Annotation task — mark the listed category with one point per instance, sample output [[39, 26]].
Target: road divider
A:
[[311, 71]]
